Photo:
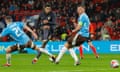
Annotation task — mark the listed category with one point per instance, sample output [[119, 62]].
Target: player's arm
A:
[[33, 33], [78, 27], [5, 32]]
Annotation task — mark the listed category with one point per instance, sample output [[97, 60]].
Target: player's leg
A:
[[61, 53], [81, 52], [8, 57], [44, 43], [43, 46], [39, 50], [93, 49], [72, 53], [68, 45], [74, 56], [8, 54]]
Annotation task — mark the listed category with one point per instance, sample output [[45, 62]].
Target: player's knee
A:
[[34, 47], [67, 45], [8, 50]]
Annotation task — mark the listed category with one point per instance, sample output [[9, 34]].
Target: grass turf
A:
[[22, 63]]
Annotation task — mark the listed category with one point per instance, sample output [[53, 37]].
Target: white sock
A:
[[73, 54], [45, 51], [62, 51], [8, 58]]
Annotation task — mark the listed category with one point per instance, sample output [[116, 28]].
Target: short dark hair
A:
[[47, 5], [79, 5], [8, 17]]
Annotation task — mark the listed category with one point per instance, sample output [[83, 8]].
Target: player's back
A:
[[15, 30], [84, 31]]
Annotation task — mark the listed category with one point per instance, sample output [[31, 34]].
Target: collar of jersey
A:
[[9, 24]]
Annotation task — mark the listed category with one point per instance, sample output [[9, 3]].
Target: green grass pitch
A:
[[22, 63]]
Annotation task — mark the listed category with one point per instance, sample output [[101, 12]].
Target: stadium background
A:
[[104, 16], [105, 23]]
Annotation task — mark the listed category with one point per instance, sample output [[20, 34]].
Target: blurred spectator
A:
[[47, 21], [106, 11], [109, 22], [117, 14], [105, 33], [98, 33]]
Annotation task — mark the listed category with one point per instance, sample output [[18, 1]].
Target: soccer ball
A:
[[114, 64]]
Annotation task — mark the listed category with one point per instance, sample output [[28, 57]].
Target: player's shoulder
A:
[[18, 22], [14, 24], [84, 15]]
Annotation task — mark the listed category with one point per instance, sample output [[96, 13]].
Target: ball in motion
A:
[[114, 63]]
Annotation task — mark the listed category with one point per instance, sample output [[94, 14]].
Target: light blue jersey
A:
[[15, 30], [84, 22]]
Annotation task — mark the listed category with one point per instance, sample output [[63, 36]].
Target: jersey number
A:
[[17, 31]]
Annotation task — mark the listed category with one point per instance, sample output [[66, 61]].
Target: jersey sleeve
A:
[[81, 20], [5, 32], [21, 25]]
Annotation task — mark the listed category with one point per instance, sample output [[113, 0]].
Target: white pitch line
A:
[[83, 70]]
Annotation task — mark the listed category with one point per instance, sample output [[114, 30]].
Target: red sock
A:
[[94, 50], [81, 51]]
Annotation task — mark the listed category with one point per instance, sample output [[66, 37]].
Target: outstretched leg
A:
[[43, 46], [63, 50], [39, 50], [74, 56]]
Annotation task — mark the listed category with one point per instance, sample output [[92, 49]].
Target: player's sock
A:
[[38, 55], [8, 58], [44, 43], [36, 58], [62, 51], [73, 54], [43, 46], [81, 51], [39, 52], [94, 50], [46, 52]]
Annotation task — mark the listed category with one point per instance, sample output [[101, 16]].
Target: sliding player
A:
[[15, 30], [77, 39]]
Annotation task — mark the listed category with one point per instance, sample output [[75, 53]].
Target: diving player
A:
[[15, 30]]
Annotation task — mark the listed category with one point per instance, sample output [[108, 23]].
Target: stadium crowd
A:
[[104, 15]]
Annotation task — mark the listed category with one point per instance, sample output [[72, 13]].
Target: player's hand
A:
[[45, 21], [91, 35], [24, 20], [35, 35], [73, 31]]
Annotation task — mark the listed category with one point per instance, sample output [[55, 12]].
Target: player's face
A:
[[48, 9], [79, 10], [8, 21]]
